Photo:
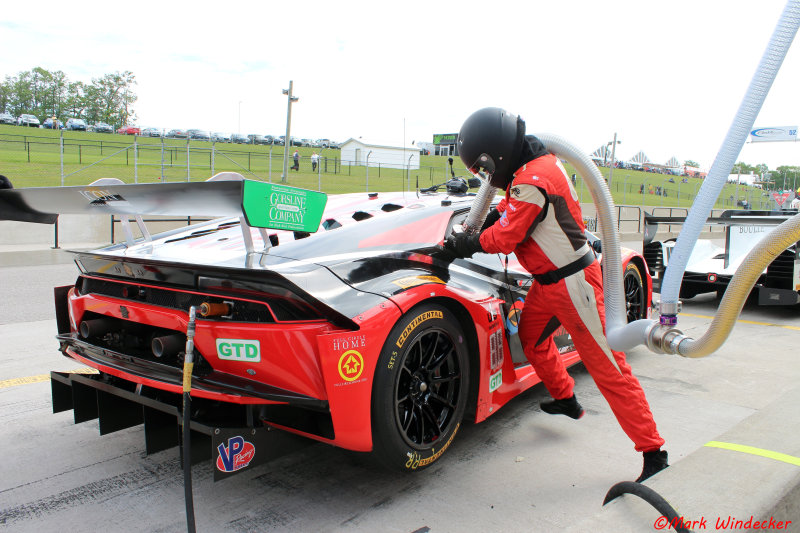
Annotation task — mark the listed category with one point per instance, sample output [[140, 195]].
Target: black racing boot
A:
[[567, 406], [654, 462]]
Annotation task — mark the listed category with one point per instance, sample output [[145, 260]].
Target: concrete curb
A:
[[713, 488]]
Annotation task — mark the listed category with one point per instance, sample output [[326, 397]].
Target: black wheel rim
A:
[[634, 296], [428, 388]]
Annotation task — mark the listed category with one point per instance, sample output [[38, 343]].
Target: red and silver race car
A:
[[365, 334]]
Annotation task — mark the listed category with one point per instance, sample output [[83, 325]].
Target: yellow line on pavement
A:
[[769, 454], [6, 383], [784, 326]]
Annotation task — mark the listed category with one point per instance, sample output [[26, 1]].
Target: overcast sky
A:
[[667, 77]]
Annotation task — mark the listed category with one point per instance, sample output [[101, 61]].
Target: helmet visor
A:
[[483, 166]]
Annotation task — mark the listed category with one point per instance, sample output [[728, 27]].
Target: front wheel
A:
[[420, 389]]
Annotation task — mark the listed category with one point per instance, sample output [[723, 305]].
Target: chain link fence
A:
[[50, 161]]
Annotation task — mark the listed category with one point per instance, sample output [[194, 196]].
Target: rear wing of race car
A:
[[730, 217], [257, 204], [743, 229]]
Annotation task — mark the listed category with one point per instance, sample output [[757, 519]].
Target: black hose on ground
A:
[[650, 496], [187, 464]]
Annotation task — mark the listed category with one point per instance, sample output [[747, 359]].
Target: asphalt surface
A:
[[521, 470]]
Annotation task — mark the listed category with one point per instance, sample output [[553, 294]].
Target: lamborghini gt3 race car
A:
[[365, 334]]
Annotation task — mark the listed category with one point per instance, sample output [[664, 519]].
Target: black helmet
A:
[[490, 141]]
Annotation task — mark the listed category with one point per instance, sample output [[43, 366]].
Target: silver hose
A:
[[720, 170], [480, 208], [775, 242], [663, 338], [619, 333]]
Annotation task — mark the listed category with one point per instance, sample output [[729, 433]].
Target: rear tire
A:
[[635, 295], [420, 389]]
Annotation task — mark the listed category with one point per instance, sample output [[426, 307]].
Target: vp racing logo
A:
[[236, 455]]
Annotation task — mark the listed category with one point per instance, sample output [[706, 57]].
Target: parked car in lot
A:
[[198, 135], [28, 120], [177, 134], [7, 118], [51, 124], [256, 139], [77, 124], [238, 138], [280, 141], [129, 130], [219, 137], [102, 127], [151, 132]]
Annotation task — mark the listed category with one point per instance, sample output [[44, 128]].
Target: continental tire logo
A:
[[415, 460], [416, 322]]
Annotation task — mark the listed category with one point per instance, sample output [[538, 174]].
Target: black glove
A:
[[493, 216], [463, 245]]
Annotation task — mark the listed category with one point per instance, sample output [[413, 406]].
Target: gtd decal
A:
[[239, 350], [495, 380], [350, 365], [236, 455], [416, 322]]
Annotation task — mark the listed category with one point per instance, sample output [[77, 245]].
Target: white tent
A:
[[602, 154], [640, 158]]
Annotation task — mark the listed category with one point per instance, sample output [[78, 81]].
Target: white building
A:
[[358, 153]]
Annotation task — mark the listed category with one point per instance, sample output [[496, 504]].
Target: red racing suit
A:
[[542, 223]]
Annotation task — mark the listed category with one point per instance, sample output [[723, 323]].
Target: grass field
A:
[[31, 158]]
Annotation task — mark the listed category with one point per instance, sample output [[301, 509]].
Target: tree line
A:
[[783, 177], [45, 93]]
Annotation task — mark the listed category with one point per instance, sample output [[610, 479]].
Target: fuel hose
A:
[[188, 364], [650, 496]]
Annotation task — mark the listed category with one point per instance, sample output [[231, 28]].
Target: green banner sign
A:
[[445, 138], [268, 205]]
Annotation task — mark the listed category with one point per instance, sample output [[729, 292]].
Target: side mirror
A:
[[597, 246], [474, 183]]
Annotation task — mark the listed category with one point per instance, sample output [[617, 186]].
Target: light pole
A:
[[408, 173], [319, 169], [624, 189], [613, 145], [287, 140], [738, 180], [239, 131], [369, 154]]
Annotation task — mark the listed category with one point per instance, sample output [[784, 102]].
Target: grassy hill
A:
[[32, 158]]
